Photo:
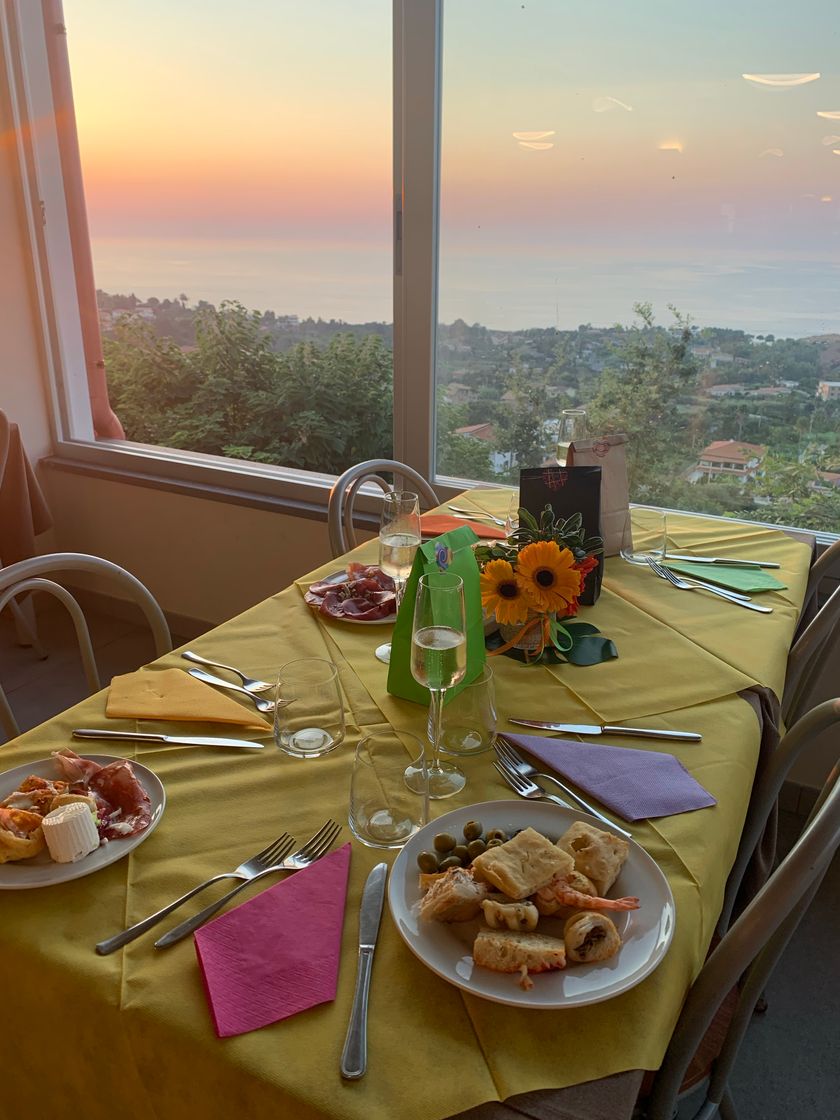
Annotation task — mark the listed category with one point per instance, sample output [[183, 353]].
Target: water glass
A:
[[644, 535], [469, 719], [399, 539], [309, 717], [384, 812]]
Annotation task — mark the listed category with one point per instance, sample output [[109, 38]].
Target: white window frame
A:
[[24, 25]]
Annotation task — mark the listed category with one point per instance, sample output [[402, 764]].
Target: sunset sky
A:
[[580, 144]]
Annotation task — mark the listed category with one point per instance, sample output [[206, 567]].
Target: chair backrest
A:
[[815, 643], [27, 575], [346, 489], [754, 942]]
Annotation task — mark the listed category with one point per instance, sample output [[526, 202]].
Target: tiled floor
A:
[[789, 1066]]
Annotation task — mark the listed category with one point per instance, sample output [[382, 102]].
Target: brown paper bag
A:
[[608, 453]]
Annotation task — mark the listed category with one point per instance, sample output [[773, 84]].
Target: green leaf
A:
[[581, 629], [592, 650]]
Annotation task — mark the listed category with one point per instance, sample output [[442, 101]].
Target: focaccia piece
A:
[[597, 854], [522, 865], [454, 897], [507, 951]]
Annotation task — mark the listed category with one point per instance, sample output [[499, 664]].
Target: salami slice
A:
[[365, 595]]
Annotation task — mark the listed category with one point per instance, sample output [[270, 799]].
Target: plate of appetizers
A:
[[361, 594], [531, 904], [69, 815]]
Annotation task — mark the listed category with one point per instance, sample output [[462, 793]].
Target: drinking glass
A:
[[384, 813], [572, 427], [310, 722], [512, 514], [469, 719], [644, 535], [438, 661], [399, 539]]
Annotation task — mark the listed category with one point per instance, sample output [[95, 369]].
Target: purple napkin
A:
[[635, 784]]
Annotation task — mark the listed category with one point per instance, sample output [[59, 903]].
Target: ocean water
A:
[[785, 295]]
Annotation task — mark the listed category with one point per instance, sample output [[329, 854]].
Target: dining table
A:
[[130, 1034]]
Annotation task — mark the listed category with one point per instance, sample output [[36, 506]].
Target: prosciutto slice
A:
[[123, 806], [365, 595]]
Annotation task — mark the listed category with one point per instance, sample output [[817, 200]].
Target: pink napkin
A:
[[278, 953]]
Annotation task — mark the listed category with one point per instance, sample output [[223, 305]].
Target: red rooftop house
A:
[[729, 458]]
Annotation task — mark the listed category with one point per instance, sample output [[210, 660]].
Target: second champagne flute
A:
[[399, 539], [438, 661]]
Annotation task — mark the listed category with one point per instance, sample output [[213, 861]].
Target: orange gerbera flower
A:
[[502, 593], [551, 580]]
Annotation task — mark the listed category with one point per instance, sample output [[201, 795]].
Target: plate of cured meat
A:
[[126, 801], [362, 594]]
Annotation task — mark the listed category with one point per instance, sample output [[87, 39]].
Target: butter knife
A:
[[174, 740], [610, 729], [729, 562], [354, 1055]]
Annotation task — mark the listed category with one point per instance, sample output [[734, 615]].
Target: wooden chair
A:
[[27, 576], [346, 489], [816, 642], [719, 1005]]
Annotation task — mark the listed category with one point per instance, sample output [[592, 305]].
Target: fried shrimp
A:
[[560, 890]]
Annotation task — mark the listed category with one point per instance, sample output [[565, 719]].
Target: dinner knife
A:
[[354, 1055], [175, 740], [610, 729], [729, 562]]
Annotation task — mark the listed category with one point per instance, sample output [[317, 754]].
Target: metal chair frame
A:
[[348, 486], [26, 576], [815, 643], [754, 943]]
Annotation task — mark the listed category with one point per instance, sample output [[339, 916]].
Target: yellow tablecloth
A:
[[131, 1034]]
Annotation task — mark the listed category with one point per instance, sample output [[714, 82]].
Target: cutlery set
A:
[[684, 584]]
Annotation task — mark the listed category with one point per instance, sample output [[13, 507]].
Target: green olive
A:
[[450, 861], [495, 843], [444, 842], [472, 830], [476, 847], [460, 850], [428, 862], [497, 834]]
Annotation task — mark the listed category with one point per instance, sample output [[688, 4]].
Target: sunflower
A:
[[502, 593], [551, 580]]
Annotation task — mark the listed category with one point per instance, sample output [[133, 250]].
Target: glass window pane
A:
[[640, 216], [237, 166]]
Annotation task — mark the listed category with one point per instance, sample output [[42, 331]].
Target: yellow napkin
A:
[[172, 694]]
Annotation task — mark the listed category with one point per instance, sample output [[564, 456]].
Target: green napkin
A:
[[738, 579]]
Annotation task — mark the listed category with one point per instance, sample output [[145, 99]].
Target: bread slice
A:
[[508, 951], [597, 854], [522, 865]]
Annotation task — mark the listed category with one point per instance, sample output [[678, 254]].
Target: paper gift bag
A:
[[608, 453], [568, 490], [452, 552]]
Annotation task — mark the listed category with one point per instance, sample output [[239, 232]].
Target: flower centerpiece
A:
[[531, 584]]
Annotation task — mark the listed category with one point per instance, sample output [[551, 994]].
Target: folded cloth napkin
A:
[[434, 524], [635, 784], [173, 694], [278, 953], [738, 579], [23, 509]]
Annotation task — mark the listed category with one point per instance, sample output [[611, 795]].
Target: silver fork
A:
[[696, 585], [507, 753], [524, 786], [250, 684], [247, 870], [265, 706], [317, 846]]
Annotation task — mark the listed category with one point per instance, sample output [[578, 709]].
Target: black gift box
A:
[[568, 490]]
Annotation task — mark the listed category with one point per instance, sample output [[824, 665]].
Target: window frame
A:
[[416, 89]]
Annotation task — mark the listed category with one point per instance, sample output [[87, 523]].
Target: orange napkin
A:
[[173, 694], [433, 524]]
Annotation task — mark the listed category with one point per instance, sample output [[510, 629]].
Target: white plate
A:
[[342, 577], [40, 871], [446, 948]]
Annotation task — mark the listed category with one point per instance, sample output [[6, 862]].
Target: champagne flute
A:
[[399, 539], [438, 661]]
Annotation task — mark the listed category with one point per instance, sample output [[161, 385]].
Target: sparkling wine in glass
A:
[[438, 661], [399, 539]]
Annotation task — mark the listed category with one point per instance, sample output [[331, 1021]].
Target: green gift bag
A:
[[450, 552]]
